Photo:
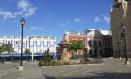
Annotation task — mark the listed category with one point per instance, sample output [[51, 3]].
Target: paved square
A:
[[111, 69]]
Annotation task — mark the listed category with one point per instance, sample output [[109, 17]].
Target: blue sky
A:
[[53, 17]]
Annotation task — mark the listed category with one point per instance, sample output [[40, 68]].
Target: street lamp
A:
[[29, 44], [22, 21], [124, 38]]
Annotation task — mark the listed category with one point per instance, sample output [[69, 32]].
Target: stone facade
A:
[[121, 16], [99, 43]]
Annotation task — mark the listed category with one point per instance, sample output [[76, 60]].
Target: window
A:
[[1, 42], [17, 43], [35, 43], [52, 43], [31, 43], [41, 43], [4, 41], [45, 43], [90, 43], [95, 44], [49, 43], [9, 42], [38, 43], [24, 43]]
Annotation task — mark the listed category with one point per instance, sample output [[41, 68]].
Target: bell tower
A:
[[121, 15]]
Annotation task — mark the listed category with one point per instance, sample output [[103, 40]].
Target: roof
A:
[[105, 32], [12, 37]]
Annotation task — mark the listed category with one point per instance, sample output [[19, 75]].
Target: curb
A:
[[84, 65]]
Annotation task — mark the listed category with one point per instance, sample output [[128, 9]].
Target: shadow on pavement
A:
[[96, 76]]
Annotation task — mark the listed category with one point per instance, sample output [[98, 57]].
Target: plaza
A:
[[110, 69], [95, 44]]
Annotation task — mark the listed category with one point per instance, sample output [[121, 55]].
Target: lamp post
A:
[[118, 43], [124, 38], [29, 42], [22, 21], [29, 46]]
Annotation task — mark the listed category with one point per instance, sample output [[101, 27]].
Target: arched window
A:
[[90, 43]]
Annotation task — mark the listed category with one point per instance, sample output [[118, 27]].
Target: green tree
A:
[[27, 52], [1, 50], [75, 45], [47, 56], [6, 48]]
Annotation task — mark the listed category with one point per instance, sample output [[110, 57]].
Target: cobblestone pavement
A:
[[111, 69]]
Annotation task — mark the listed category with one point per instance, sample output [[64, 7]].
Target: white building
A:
[[36, 44]]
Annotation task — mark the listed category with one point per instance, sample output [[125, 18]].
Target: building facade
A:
[[121, 24], [99, 43], [75, 36], [36, 44], [107, 46]]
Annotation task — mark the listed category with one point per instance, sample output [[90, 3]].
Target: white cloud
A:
[[34, 28], [102, 18], [77, 19], [97, 19], [23, 4], [6, 14], [25, 8], [30, 12], [80, 20], [106, 18]]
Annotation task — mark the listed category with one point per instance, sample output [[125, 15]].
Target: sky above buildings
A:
[[53, 17]]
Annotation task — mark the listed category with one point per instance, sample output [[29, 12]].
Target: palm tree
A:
[[75, 45]]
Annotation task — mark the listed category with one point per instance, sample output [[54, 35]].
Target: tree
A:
[[27, 52], [10, 50], [47, 56], [1, 50], [75, 45], [6, 48]]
